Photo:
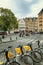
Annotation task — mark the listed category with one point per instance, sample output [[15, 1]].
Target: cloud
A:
[[35, 8], [28, 1], [23, 8], [5, 3]]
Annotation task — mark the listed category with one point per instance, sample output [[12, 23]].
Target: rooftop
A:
[[40, 12]]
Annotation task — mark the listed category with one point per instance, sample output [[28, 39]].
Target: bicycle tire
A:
[[36, 58], [27, 59], [40, 50], [14, 63]]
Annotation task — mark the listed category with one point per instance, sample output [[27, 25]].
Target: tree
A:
[[7, 19]]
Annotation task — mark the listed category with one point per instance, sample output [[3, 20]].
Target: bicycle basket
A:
[[26, 48], [18, 50], [10, 55]]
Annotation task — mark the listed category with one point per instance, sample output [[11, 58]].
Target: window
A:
[[40, 21], [40, 30], [40, 17], [40, 24]]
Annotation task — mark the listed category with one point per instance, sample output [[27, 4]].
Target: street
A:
[[21, 41]]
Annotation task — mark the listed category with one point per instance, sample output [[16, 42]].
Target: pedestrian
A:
[[38, 43]]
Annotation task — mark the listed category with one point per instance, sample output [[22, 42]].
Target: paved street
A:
[[21, 41]]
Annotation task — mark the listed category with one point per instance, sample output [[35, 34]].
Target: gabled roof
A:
[[40, 12]]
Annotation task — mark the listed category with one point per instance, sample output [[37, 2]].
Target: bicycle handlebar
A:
[[10, 46]]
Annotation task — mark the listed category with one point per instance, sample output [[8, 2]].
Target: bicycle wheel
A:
[[41, 52], [36, 56], [27, 60], [14, 63]]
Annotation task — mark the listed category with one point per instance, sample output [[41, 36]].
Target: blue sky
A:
[[23, 8]]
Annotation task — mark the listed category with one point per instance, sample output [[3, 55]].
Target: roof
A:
[[40, 12]]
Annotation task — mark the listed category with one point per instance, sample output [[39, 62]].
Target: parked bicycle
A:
[[36, 56], [24, 59], [39, 49], [30, 56], [8, 56]]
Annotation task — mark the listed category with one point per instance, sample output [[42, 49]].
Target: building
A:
[[31, 24], [28, 24], [21, 25], [40, 21], [34, 24]]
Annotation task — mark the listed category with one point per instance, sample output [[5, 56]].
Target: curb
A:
[[8, 41]]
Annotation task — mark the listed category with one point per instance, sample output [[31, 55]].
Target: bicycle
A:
[[35, 55], [8, 62], [39, 49], [32, 54], [22, 59]]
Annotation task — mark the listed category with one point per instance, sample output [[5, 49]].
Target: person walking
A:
[[38, 43]]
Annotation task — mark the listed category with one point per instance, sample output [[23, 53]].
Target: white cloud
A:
[[5, 3], [31, 7], [29, 1], [36, 8]]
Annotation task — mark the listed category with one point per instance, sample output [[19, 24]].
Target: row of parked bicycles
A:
[[27, 55]]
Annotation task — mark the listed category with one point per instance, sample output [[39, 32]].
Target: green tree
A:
[[7, 19]]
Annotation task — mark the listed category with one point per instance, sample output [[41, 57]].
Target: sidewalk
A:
[[5, 40]]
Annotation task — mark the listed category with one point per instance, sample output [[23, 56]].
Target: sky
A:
[[23, 8]]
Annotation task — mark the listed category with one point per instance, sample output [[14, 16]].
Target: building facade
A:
[[40, 21], [31, 24], [21, 25], [34, 24]]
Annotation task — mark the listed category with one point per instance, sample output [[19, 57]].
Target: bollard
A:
[[0, 40], [16, 38], [10, 39]]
